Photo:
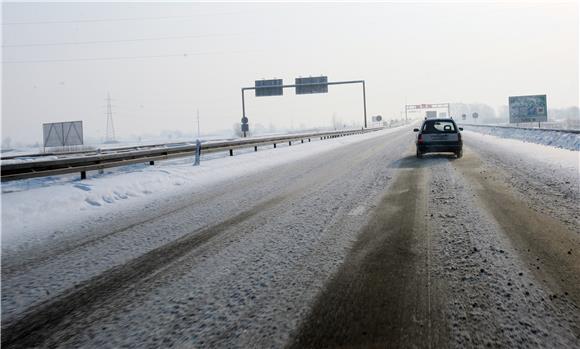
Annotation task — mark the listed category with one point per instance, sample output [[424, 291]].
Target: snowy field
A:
[[31, 208]]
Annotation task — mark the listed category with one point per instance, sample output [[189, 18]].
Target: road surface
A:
[[360, 246]]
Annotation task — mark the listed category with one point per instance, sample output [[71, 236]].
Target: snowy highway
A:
[[350, 242]]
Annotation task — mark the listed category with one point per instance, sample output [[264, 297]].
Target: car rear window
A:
[[434, 126]]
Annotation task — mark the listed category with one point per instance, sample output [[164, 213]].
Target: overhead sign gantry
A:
[[309, 85], [417, 107]]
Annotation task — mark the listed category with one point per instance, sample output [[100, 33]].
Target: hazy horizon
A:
[[161, 62]]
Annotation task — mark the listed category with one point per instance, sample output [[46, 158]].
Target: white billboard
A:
[[60, 134], [528, 109]]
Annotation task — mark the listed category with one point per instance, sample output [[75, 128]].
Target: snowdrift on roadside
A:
[[34, 206], [565, 140]]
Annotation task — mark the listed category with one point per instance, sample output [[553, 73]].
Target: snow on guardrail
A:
[[566, 139]]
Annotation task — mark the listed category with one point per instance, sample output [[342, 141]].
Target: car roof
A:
[[440, 119]]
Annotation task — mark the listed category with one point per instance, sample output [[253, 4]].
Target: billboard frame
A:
[[517, 118], [65, 128]]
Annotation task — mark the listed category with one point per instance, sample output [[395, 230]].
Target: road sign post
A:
[[245, 126]]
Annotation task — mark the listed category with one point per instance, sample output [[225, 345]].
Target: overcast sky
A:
[[161, 62]]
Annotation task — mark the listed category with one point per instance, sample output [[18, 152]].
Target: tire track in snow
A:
[[549, 248], [28, 288], [383, 295], [494, 297], [248, 287], [41, 320], [313, 173]]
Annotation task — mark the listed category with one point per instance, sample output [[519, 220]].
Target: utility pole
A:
[[198, 133], [110, 132]]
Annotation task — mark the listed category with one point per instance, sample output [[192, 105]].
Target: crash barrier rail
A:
[[94, 151], [95, 161], [525, 128]]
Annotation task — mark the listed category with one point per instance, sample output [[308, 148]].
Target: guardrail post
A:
[[301, 141], [98, 153], [274, 145], [289, 143], [83, 175], [255, 148], [231, 152], [151, 162]]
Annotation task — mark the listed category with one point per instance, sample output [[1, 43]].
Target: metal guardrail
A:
[[94, 150], [91, 161], [526, 128]]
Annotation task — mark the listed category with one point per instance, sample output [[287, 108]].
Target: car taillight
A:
[[459, 136], [420, 138]]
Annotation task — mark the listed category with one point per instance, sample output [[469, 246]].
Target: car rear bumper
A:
[[439, 147]]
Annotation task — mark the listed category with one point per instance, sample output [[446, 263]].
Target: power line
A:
[[93, 59], [185, 55], [97, 20], [117, 41]]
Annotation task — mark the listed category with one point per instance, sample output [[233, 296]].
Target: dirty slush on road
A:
[[435, 267]]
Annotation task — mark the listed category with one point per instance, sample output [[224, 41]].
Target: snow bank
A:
[[529, 154], [33, 207], [565, 140]]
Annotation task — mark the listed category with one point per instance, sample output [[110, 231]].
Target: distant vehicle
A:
[[439, 135]]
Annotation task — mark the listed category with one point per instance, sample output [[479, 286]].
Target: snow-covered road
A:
[[463, 253], [347, 242]]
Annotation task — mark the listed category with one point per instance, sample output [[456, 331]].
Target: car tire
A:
[[459, 153], [419, 154]]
